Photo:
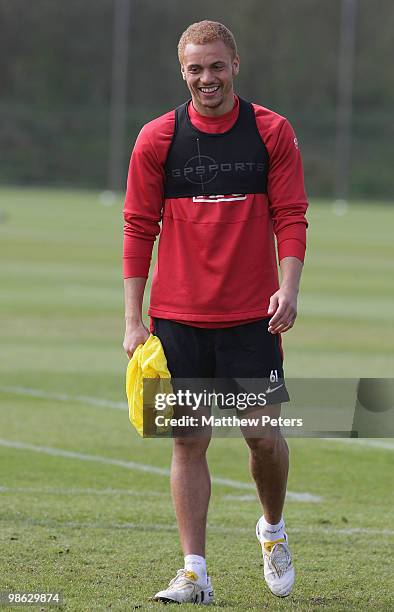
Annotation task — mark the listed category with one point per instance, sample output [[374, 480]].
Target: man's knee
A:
[[266, 446], [191, 447]]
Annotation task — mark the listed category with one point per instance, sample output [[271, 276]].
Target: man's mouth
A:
[[209, 91]]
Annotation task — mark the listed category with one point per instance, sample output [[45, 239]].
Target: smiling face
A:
[[209, 70]]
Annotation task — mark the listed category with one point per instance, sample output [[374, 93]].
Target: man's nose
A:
[[206, 77]]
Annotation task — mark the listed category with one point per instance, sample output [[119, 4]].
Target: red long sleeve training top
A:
[[216, 264]]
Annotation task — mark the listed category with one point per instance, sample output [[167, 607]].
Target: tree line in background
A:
[[55, 82]]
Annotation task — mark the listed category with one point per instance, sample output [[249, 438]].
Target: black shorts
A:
[[247, 351]]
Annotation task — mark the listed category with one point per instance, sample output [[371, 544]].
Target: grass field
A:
[[84, 503]]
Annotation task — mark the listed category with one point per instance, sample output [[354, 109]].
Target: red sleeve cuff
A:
[[291, 247], [136, 266]]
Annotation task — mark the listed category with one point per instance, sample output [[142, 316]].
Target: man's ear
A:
[[235, 65], [183, 73]]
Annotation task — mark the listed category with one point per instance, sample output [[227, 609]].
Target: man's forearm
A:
[[291, 270], [283, 303], [133, 296]]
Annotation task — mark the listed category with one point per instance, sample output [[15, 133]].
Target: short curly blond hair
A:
[[204, 32]]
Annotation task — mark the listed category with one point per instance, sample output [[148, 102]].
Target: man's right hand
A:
[[136, 333]]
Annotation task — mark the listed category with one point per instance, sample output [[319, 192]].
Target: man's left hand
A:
[[283, 306]]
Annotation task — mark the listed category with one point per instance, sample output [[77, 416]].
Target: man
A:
[[224, 176]]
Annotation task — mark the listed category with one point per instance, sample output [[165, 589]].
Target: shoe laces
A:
[[280, 559], [183, 577]]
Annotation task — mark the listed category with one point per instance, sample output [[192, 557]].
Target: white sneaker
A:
[[184, 588], [278, 568]]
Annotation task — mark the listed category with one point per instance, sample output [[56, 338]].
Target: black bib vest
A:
[[211, 164]]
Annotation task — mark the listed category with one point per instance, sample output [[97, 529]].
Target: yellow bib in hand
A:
[[148, 361]]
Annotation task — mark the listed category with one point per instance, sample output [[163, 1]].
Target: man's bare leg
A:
[[269, 465], [191, 491]]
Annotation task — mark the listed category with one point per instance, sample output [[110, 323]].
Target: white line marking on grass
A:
[[290, 496], [241, 498], [364, 442], [58, 452], [80, 491], [347, 531], [142, 467], [300, 497], [63, 397]]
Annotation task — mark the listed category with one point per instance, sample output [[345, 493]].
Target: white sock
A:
[[270, 532], [198, 565]]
